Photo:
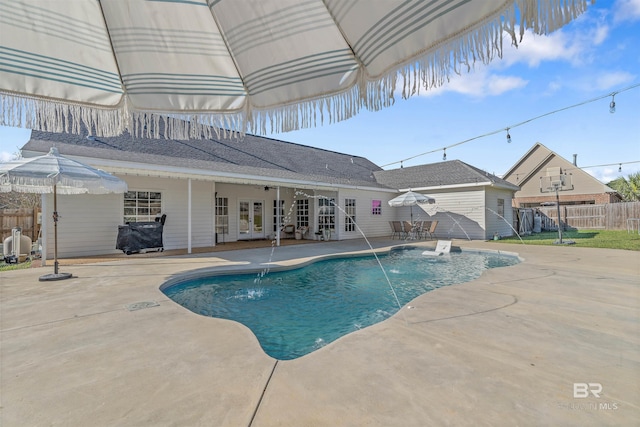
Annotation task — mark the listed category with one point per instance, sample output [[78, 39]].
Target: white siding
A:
[[460, 213], [370, 225], [494, 223], [87, 225]]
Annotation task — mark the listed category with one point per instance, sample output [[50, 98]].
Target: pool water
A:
[[294, 312]]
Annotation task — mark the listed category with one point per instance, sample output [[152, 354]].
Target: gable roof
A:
[[538, 158], [250, 155], [452, 173]]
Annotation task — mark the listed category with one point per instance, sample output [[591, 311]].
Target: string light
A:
[[612, 105], [444, 155], [620, 168], [508, 136]]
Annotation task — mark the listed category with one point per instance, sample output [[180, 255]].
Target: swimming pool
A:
[[295, 312]]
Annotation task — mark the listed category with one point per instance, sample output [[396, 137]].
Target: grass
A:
[[6, 267], [607, 239]]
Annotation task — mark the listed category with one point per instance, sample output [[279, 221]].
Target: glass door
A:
[[250, 220]]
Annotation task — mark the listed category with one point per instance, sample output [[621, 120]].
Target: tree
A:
[[628, 188], [15, 200]]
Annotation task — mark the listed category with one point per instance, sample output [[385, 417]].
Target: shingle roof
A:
[[249, 154], [449, 173], [260, 156]]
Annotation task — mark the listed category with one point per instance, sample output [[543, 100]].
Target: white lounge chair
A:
[[442, 247]]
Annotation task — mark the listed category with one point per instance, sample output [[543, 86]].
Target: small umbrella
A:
[[53, 173], [411, 199]]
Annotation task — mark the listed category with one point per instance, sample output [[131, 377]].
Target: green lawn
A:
[[609, 239], [6, 267]]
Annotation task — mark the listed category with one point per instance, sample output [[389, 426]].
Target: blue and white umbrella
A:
[[53, 173], [411, 199]]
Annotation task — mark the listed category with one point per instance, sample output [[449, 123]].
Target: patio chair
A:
[[409, 230], [421, 228], [396, 229], [431, 232], [289, 230]]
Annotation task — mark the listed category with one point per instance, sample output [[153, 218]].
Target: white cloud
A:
[[478, 84], [611, 80], [6, 156], [604, 175], [576, 47], [626, 10]]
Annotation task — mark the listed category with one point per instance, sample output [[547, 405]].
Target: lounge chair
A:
[[442, 247]]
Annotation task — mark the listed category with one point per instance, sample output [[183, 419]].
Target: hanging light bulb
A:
[[508, 136], [620, 168], [612, 105], [401, 166], [444, 155]]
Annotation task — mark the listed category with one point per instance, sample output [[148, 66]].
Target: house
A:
[[540, 169], [470, 203], [228, 189]]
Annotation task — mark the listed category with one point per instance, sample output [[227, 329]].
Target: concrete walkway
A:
[[107, 348]]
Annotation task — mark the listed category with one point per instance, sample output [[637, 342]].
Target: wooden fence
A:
[[27, 219], [611, 216]]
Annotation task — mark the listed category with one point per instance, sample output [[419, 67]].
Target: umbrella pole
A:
[[55, 230], [56, 275]]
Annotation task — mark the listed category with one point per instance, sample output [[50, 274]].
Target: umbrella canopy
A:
[[411, 199], [43, 174], [241, 65], [53, 173]]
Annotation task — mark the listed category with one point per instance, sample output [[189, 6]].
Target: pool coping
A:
[[303, 262]]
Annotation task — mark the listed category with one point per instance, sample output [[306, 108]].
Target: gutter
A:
[[452, 186]]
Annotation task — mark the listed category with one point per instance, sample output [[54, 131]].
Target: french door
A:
[[251, 219]]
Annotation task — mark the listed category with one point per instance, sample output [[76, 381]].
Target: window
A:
[[302, 213], [278, 212], [350, 214], [376, 207], [142, 206], [222, 215], [501, 207], [326, 213]]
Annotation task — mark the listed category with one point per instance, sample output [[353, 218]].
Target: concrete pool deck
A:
[[107, 348]]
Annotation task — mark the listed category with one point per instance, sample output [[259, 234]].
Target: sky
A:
[[546, 90]]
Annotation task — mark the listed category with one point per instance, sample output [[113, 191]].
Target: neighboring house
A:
[[224, 190], [470, 203], [540, 167]]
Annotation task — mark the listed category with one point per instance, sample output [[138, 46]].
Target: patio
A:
[[108, 348]]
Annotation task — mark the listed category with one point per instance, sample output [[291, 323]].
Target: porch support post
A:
[[189, 216], [278, 219]]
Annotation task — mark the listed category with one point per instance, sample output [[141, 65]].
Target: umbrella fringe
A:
[[428, 69]]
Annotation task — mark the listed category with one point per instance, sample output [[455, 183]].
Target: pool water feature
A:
[[295, 312]]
